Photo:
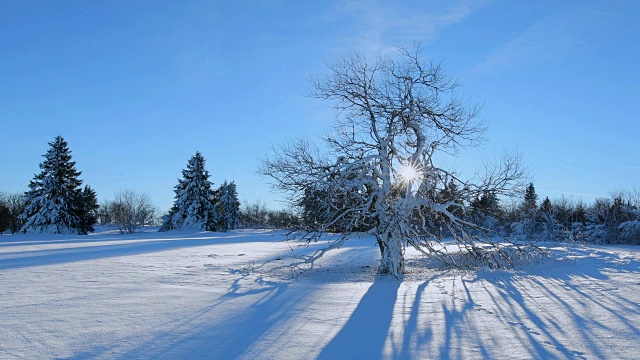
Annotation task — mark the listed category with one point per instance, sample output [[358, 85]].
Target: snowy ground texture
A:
[[189, 295]]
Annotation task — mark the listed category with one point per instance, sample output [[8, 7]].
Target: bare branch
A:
[[394, 111]]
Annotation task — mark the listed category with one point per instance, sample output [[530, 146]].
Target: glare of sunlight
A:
[[409, 173]]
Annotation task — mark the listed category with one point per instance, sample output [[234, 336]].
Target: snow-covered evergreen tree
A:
[[228, 206], [630, 230], [52, 204], [527, 225], [193, 207], [530, 198], [87, 210], [485, 210]]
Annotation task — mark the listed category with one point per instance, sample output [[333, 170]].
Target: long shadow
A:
[[202, 334], [59, 239], [365, 333], [412, 325], [195, 338], [514, 296], [561, 310], [132, 246], [514, 302]]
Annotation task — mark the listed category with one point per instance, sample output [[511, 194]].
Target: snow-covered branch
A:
[[392, 113]]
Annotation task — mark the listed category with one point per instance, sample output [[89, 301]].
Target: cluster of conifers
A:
[[56, 201]]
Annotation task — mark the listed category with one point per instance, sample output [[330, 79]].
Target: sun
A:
[[409, 173]]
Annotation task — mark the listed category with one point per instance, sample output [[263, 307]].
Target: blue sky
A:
[[137, 87]]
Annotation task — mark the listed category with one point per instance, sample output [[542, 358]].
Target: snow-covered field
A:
[[188, 295]]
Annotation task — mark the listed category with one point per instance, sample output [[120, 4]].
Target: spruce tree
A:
[[52, 204], [228, 206], [530, 198], [546, 206], [193, 207], [88, 210], [488, 203]]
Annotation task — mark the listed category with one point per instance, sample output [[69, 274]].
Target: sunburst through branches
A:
[[409, 173]]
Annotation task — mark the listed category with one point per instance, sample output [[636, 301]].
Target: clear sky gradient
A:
[[137, 87]]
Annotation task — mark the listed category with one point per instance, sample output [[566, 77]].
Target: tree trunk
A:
[[392, 254]]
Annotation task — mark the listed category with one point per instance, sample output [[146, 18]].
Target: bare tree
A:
[[254, 215], [395, 116], [104, 215], [130, 210], [5, 215], [13, 206]]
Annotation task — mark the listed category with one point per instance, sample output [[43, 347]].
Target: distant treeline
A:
[[56, 202]]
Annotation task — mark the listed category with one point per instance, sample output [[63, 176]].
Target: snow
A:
[[189, 294]]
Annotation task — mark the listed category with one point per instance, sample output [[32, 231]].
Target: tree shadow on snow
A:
[[565, 307], [203, 335], [99, 248], [365, 333]]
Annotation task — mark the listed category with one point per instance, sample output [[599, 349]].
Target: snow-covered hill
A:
[[189, 295]]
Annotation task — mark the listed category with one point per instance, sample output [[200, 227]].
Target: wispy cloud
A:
[[552, 37], [577, 194], [382, 24]]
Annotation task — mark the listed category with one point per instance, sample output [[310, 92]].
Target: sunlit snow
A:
[[191, 295]]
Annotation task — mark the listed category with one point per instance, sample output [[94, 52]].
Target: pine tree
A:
[[193, 207], [546, 206], [530, 198], [88, 210], [488, 204], [228, 206], [52, 202], [486, 210]]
